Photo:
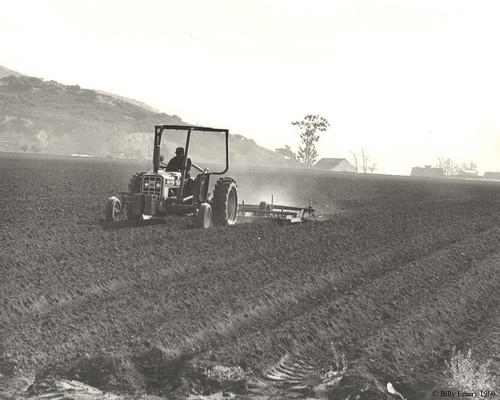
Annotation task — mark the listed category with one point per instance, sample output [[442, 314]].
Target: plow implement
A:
[[281, 213]]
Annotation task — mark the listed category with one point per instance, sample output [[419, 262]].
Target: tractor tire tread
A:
[[220, 201]]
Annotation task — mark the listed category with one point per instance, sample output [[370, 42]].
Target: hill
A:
[[129, 100], [8, 72], [47, 117]]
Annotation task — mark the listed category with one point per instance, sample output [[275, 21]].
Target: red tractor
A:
[[161, 192]]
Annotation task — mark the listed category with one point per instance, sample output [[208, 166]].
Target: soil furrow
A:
[[383, 304]]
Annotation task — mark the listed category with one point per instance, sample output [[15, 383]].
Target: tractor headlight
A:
[[158, 184], [146, 184]]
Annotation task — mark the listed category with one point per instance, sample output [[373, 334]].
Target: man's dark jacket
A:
[[176, 164]]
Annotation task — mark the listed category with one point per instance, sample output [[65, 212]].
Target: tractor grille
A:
[[152, 185]]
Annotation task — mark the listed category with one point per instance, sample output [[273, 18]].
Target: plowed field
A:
[[392, 275]]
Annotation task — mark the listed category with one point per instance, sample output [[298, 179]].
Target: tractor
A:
[[161, 192]]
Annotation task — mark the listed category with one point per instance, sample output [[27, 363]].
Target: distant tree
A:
[[311, 125], [35, 148], [449, 166], [369, 164], [286, 152], [469, 166], [355, 160], [73, 88], [24, 147], [363, 161]]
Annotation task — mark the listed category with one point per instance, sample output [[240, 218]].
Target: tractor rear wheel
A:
[[204, 218], [225, 202], [113, 209]]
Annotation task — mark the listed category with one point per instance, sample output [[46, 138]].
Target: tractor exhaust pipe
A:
[[156, 158], [156, 148]]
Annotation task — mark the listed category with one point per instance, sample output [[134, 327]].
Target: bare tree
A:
[[372, 167], [451, 167], [355, 160], [469, 166], [311, 124], [363, 161], [367, 164]]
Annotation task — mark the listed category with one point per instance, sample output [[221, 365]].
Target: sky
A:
[[408, 81]]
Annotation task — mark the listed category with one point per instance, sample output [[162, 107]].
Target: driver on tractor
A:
[[176, 164]]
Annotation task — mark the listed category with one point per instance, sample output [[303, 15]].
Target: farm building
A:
[[334, 164], [467, 173], [492, 175], [427, 171]]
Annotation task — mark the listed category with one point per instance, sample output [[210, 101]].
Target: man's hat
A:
[[179, 150]]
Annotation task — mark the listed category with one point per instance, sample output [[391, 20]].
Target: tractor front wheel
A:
[[113, 209], [225, 202], [204, 218]]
